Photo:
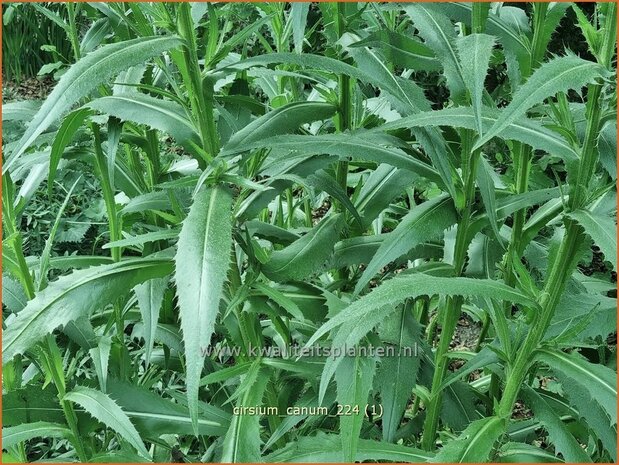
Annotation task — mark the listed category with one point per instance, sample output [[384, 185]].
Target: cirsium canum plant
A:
[[253, 212]]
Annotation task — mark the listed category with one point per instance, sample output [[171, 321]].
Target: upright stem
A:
[[73, 35], [201, 109], [452, 310], [567, 256], [345, 102], [108, 193]]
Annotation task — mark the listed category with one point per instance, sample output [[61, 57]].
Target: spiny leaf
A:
[[150, 297], [602, 229], [307, 254], [423, 223], [354, 381], [104, 409], [84, 76], [202, 262], [475, 51], [282, 120], [74, 295], [165, 115], [13, 435], [558, 75], [564, 442], [327, 448], [599, 381], [394, 291], [474, 444], [397, 375], [439, 34], [242, 441]]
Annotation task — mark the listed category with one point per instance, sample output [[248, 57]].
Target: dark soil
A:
[[37, 88]]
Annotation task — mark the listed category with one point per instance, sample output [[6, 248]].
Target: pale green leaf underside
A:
[[202, 261], [104, 409], [77, 294]]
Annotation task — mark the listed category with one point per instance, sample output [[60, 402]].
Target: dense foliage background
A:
[[185, 185]]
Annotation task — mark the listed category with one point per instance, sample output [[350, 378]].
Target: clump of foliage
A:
[[220, 179]]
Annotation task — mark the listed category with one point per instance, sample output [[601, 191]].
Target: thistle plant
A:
[[292, 213]]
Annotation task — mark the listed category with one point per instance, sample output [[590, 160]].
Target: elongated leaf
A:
[[424, 222], [523, 130], [516, 452], [475, 51], [92, 70], [202, 262], [242, 441], [154, 236], [599, 381], [346, 147], [298, 17], [327, 448], [77, 294], [558, 75], [283, 120], [150, 298], [485, 181], [397, 375], [439, 34], [394, 291], [560, 436], [13, 435], [474, 444], [401, 49], [307, 254], [354, 381], [65, 134], [602, 230], [153, 415], [104, 409], [165, 115]]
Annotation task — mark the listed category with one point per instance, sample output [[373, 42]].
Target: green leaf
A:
[[516, 452], [607, 145], [439, 34], [558, 75], [327, 448], [298, 17], [202, 262], [83, 77], [150, 297], [153, 415], [104, 409], [523, 130], [397, 375], [13, 435], [165, 115], [401, 49], [394, 291], [485, 181], [282, 120], [354, 381], [306, 255], [602, 229], [475, 51], [242, 441], [474, 444], [345, 146], [69, 126], [599, 381], [423, 223], [565, 444], [74, 295]]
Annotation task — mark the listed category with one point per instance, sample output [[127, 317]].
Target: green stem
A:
[[453, 306], [108, 193], [567, 255], [345, 104], [202, 112], [73, 35]]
